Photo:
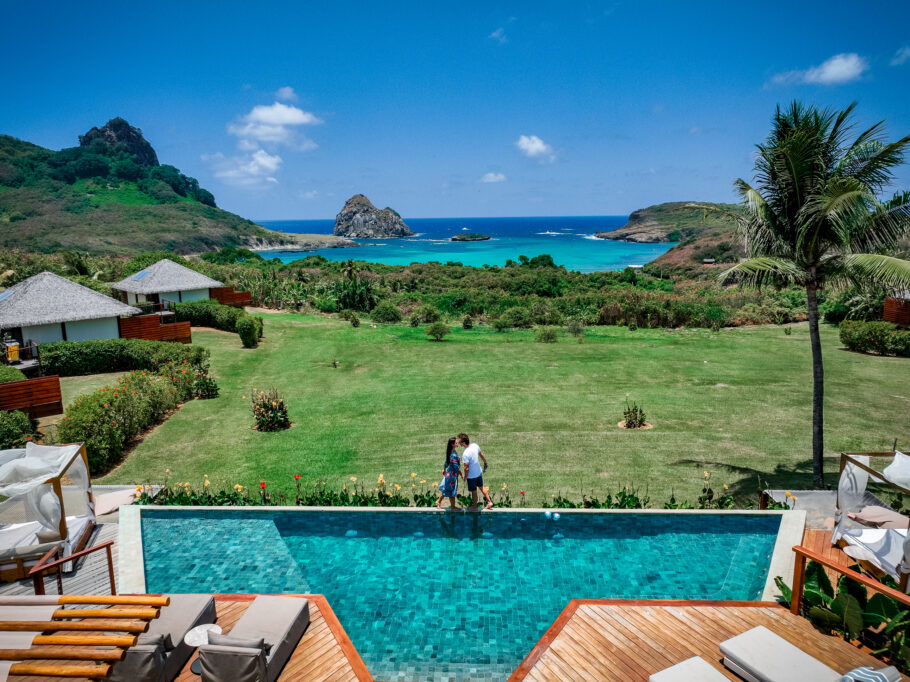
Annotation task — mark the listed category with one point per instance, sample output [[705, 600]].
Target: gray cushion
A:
[[232, 664], [141, 663], [760, 655], [281, 621], [48, 536], [693, 669], [881, 517], [36, 551], [155, 639], [242, 642]]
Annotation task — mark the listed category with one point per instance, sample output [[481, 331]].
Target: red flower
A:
[[262, 485], [105, 404], [296, 477], [114, 423], [29, 438], [522, 492]]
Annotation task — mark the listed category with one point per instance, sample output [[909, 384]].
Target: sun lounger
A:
[[695, 669], [758, 655], [161, 653], [259, 644]]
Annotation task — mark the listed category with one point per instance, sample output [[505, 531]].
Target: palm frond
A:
[[888, 272], [888, 223], [763, 271], [872, 163]]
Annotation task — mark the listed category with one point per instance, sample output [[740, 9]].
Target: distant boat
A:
[[464, 229]]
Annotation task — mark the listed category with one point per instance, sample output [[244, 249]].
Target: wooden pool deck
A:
[[324, 652]]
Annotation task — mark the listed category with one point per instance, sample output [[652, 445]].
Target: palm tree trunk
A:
[[818, 392]]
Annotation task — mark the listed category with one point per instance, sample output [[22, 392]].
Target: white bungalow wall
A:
[[85, 330], [42, 333], [184, 296]]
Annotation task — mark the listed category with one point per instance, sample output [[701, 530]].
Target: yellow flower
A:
[[397, 487], [354, 479], [788, 494], [706, 474], [422, 481], [206, 483], [794, 498], [138, 488], [167, 471], [389, 494], [726, 487], [627, 395], [205, 475], [503, 486], [243, 396], [413, 475], [148, 487], [434, 483], [344, 487]]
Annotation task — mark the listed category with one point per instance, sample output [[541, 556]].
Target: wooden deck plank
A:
[[611, 639]]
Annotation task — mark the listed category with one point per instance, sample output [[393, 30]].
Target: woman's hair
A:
[[449, 448]]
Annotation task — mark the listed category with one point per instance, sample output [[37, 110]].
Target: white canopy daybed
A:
[[33, 517], [886, 547]]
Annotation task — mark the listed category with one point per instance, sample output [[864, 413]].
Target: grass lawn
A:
[[735, 402]]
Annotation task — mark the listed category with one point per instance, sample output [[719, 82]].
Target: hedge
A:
[[884, 338], [209, 313], [75, 358], [8, 373], [15, 429], [110, 417]]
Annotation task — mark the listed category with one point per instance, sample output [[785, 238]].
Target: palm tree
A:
[[813, 219]]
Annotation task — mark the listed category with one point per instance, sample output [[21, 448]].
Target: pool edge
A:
[[783, 559], [131, 558]]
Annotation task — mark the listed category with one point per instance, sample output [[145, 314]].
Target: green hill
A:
[[110, 194]]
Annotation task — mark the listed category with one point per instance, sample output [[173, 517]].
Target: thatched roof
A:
[[47, 298], [165, 275]]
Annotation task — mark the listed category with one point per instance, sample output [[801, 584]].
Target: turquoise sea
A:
[[569, 240]]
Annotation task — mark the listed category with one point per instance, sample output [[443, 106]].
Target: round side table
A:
[[198, 636]]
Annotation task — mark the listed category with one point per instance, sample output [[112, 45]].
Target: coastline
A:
[[302, 242]]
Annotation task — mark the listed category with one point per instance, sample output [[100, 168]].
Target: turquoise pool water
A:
[[456, 596]]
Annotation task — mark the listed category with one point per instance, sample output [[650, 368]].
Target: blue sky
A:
[[283, 110]]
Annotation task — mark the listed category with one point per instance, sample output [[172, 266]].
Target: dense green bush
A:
[[546, 334], [467, 322], [875, 337], [437, 331], [8, 373], [386, 312], [209, 313], [75, 358], [15, 429], [427, 313], [108, 418], [517, 316], [248, 332], [575, 326]]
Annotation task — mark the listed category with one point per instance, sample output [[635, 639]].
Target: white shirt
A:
[[471, 457]]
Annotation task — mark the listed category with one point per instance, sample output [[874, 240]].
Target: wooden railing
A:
[[227, 296], [38, 397], [799, 571], [45, 564], [150, 327]]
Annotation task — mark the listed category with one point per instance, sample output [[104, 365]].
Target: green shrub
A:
[[575, 326], [75, 358], [270, 411], [386, 312], [875, 337], [8, 373], [500, 324], [325, 305], [108, 418], [437, 331], [210, 313], [204, 387], [355, 321], [467, 322], [428, 313], [15, 429], [633, 416], [517, 317], [347, 314], [545, 334], [633, 325], [414, 320], [246, 329]]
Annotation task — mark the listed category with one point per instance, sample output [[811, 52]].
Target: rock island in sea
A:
[[470, 237], [359, 219]]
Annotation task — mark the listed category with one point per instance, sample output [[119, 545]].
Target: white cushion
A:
[[766, 657], [693, 669]]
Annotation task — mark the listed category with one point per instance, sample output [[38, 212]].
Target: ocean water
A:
[[570, 241], [456, 596]]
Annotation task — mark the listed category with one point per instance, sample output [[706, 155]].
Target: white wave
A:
[[549, 233], [590, 236], [464, 229]]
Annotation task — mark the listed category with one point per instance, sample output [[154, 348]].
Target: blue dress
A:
[[449, 484]]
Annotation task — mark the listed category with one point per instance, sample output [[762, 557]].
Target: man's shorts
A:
[[475, 483]]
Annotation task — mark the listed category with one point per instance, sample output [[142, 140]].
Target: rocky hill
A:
[[111, 195], [359, 219], [700, 235]]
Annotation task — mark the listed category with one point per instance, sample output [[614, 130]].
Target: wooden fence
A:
[[227, 296], [150, 327], [36, 397], [897, 311]]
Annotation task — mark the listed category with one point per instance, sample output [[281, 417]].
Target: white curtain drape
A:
[[851, 490], [43, 505]]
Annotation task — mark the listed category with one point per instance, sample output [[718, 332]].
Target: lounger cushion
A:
[[760, 655], [27, 551], [232, 664], [693, 669], [156, 638], [48, 536], [141, 663], [881, 517], [280, 621], [242, 642], [185, 612]]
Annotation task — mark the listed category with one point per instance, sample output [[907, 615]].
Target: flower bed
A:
[[884, 338]]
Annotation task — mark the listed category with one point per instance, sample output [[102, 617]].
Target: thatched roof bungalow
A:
[[166, 281], [46, 307]]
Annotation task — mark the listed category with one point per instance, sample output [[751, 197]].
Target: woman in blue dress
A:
[[450, 475]]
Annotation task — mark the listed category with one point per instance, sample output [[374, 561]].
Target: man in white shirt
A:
[[473, 472]]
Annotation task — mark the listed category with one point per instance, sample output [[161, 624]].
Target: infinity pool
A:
[[456, 596]]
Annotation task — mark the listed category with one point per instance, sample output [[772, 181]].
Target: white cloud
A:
[[535, 148], [499, 35], [273, 124], [839, 69], [250, 171], [902, 56], [493, 177], [286, 93]]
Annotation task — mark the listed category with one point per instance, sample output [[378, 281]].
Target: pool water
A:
[[456, 596]]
